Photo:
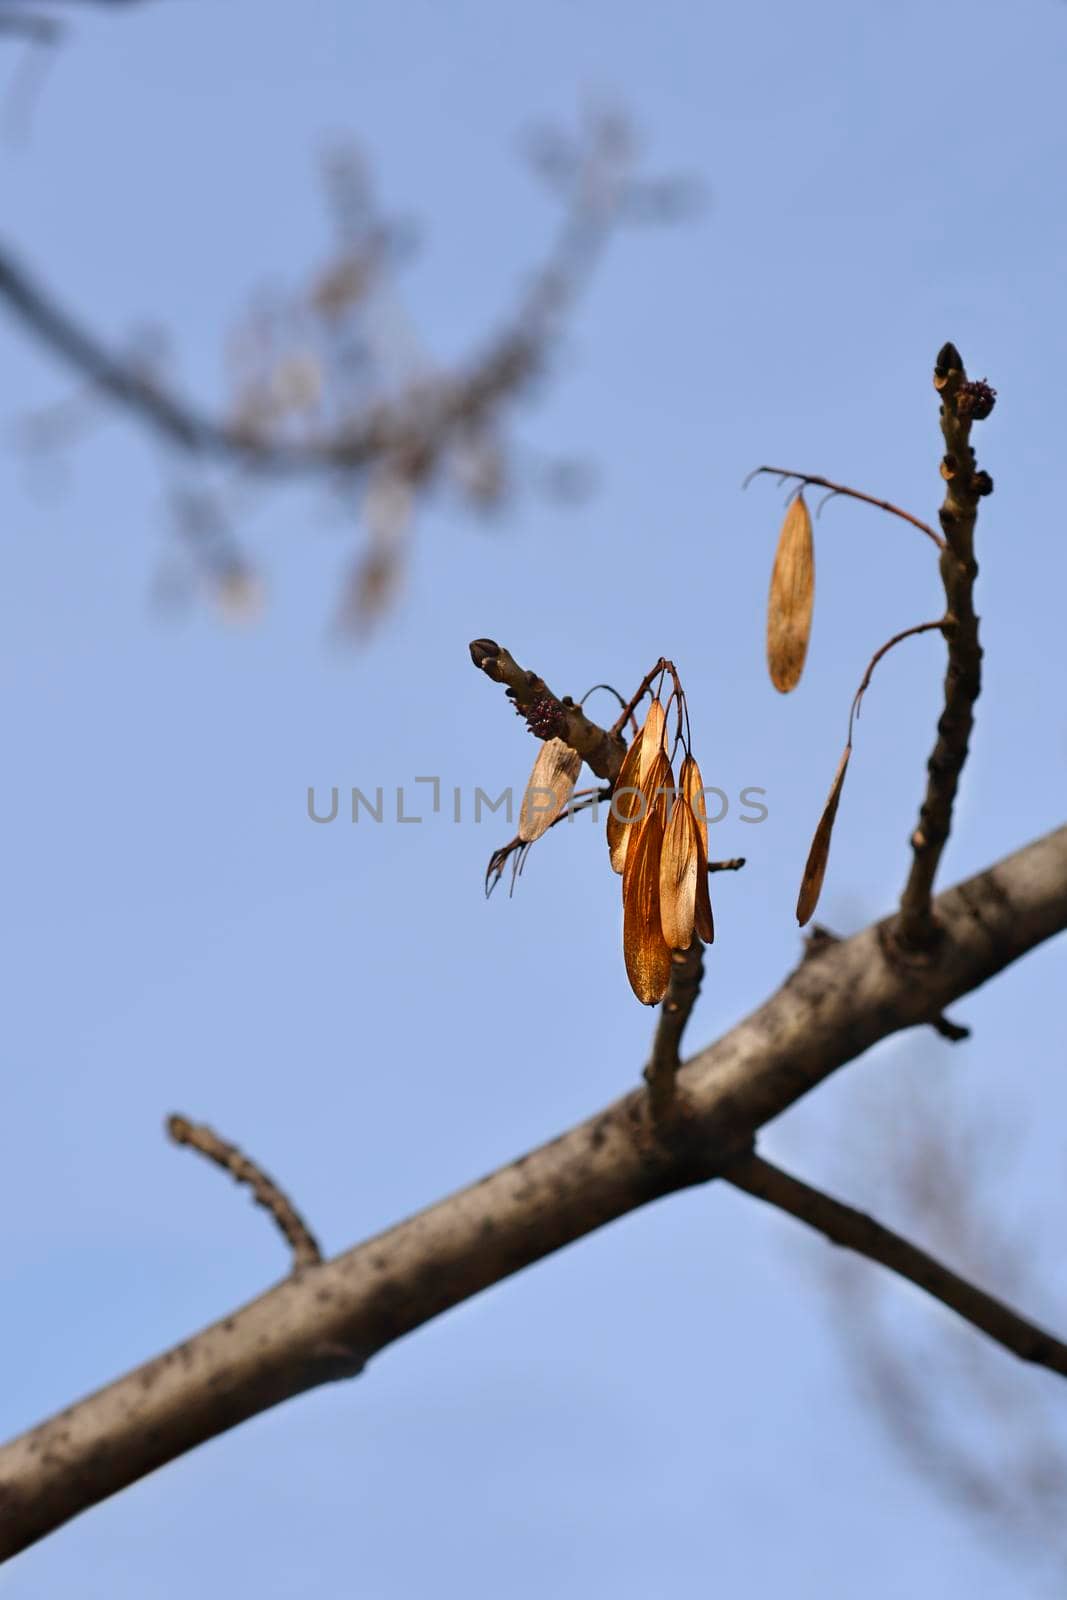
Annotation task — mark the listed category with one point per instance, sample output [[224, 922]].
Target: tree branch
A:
[[835, 489], [687, 975], [328, 1322], [414, 429], [265, 1192], [546, 715], [843, 1225], [962, 403]]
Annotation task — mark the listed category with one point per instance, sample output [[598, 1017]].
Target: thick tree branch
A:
[[266, 1193], [329, 1321], [855, 1230], [962, 403]]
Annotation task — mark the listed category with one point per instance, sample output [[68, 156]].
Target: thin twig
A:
[[581, 800], [961, 404], [265, 1192], [942, 623], [843, 1225], [805, 478], [645, 685]]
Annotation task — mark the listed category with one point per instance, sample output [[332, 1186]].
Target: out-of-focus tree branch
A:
[[320, 394]]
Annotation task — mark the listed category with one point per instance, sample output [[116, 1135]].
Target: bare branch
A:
[[962, 403], [326, 1323], [804, 478], [843, 1225], [265, 1192], [547, 716]]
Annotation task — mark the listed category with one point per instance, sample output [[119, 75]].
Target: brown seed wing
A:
[[647, 955], [692, 786], [551, 781], [818, 855], [703, 921], [792, 598], [679, 862], [624, 805], [652, 740]]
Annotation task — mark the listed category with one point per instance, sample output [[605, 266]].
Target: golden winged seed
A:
[[792, 598], [625, 803], [652, 737], [551, 781], [646, 952], [678, 875], [815, 869], [692, 786]]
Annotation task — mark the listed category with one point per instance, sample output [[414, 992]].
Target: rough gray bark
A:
[[327, 1321]]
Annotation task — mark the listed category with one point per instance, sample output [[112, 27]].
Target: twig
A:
[[631, 705], [265, 1192], [548, 717], [581, 800], [961, 404], [805, 478], [856, 1231], [687, 973], [943, 624]]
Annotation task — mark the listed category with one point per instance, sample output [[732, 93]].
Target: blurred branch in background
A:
[[331, 383], [980, 1430]]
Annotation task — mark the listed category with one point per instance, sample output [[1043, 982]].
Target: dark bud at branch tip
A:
[[948, 357], [483, 650], [975, 400]]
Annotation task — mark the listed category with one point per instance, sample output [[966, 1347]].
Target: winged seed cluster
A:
[[658, 840]]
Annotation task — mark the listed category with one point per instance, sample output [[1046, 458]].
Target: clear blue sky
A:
[[341, 1000]]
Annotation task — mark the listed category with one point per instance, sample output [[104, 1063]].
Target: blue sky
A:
[[341, 1000]]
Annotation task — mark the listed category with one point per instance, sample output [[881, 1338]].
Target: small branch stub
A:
[[265, 1192]]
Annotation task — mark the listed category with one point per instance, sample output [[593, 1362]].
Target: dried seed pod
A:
[[653, 738], [553, 777], [815, 868], [645, 950], [679, 865], [625, 802], [703, 921], [692, 786], [792, 598]]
